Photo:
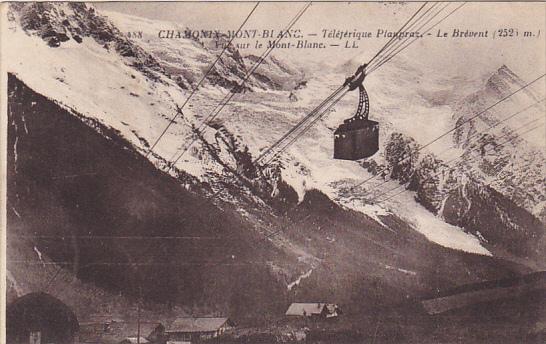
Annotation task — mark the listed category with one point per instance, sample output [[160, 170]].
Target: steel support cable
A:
[[114, 237], [458, 125], [461, 157], [469, 139], [404, 190], [279, 141], [304, 119], [451, 168], [511, 132], [204, 263], [231, 94], [422, 18], [268, 235], [395, 40], [500, 122], [394, 37], [307, 127], [416, 38], [179, 109], [228, 96], [303, 129], [387, 45], [271, 234], [521, 134], [399, 46], [447, 163], [395, 50], [299, 124]]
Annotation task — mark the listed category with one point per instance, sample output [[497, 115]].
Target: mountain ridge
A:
[[296, 211]]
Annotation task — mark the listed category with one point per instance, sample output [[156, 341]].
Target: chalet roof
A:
[[117, 332], [104, 318], [197, 324], [133, 340], [310, 308]]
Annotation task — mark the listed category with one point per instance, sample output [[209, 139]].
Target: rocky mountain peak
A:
[[503, 81], [57, 23]]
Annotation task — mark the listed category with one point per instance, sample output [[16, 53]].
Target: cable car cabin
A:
[[356, 139]]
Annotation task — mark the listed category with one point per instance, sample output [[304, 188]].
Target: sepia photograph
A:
[[238, 172]]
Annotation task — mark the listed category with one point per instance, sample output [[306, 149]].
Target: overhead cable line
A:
[[395, 37], [459, 157], [325, 111], [317, 109], [502, 144], [477, 133], [395, 43], [458, 125], [180, 108], [205, 263], [114, 237], [416, 38], [212, 115], [303, 129], [297, 125], [313, 114], [469, 139]]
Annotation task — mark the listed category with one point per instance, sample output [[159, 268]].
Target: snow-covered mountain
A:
[[310, 212], [188, 59], [510, 154]]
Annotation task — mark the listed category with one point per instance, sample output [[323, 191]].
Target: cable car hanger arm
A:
[[356, 81]]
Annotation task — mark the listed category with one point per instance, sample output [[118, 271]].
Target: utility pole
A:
[[138, 312]]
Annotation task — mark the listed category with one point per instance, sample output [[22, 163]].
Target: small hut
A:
[[313, 310]]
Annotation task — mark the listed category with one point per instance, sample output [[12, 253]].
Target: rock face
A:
[[495, 189], [186, 59], [68, 212], [496, 149], [401, 155], [495, 218], [461, 193], [238, 233], [88, 202], [58, 23]]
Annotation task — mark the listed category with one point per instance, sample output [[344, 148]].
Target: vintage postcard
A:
[[273, 172]]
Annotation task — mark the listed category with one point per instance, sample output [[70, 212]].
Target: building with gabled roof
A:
[[188, 329], [118, 332], [134, 340], [316, 309]]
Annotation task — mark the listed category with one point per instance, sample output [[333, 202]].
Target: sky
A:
[[450, 56]]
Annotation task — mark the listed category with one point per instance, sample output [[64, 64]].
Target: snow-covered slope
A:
[[510, 153], [305, 225], [134, 85]]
